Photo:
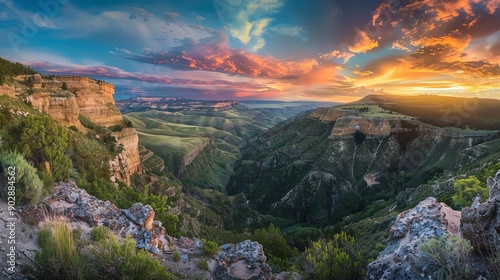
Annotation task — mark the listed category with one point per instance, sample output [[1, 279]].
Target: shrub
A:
[[332, 259], [451, 254], [210, 248], [28, 186], [99, 233], [42, 141], [466, 189], [111, 260], [63, 256]]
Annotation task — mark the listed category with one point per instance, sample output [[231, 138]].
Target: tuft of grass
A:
[[176, 256], [203, 265]]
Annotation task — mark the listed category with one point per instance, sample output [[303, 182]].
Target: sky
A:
[[289, 50]]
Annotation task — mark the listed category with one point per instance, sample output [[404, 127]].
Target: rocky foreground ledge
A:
[[479, 224], [245, 260]]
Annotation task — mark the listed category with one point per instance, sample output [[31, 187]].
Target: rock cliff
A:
[[94, 99], [128, 161], [403, 257], [64, 109], [65, 98]]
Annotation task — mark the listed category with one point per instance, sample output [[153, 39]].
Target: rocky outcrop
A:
[[67, 200], [128, 162], [245, 260], [481, 222], [402, 258]]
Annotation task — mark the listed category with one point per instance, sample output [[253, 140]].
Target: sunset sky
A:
[[262, 49]]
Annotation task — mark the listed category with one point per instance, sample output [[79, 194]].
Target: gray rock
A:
[[402, 258], [248, 256]]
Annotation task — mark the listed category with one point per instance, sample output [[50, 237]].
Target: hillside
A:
[[198, 140], [335, 161]]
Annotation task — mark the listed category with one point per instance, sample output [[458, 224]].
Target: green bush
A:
[[27, 186], [63, 256], [176, 256], [466, 189], [451, 254], [111, 260], [41, 141], [99, 233], [332, 259], [210, 248]]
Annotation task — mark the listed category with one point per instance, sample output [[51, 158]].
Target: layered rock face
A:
[[128, 162], [402, 258], [481, 222], [64, 110], [94, 99]]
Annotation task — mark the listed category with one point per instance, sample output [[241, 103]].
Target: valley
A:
[[200, 141]]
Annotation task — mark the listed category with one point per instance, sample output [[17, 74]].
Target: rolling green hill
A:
[[200, 146]]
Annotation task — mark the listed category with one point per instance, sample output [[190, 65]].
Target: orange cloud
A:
[[363, 44], [213, 54]]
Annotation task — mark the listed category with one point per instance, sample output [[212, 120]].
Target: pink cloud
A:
[[213, 54]]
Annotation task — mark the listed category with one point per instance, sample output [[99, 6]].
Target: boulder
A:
[[141, 215], [245, 260]]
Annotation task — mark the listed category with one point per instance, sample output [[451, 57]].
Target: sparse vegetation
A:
[[209, 247], [452, 255], [65, 256]]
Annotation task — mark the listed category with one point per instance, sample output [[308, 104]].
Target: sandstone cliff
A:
[[128, 161], [63, 109], [65, 98], [347, 123], [93, 99]]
